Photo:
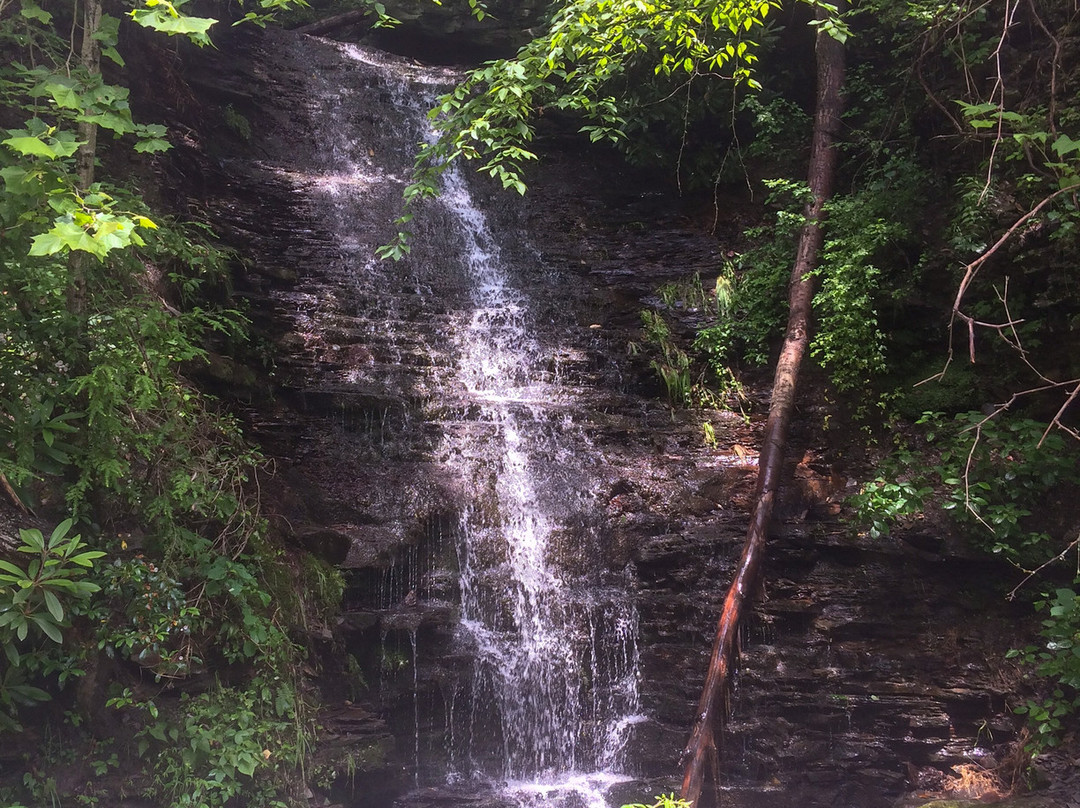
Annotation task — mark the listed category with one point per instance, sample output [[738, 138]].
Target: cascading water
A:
[[551, 630], [555, 675]]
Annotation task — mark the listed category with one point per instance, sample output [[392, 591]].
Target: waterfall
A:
[[463, 329], [555, 645]]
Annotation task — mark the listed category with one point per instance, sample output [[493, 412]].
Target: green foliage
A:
[[237, 122], [989, 475], [31, 596], [99, 416], [662, 801], [145, 616], [1058, 660], [761, 279], [883, 501], [322, 586], [859, 270], [35, 597], [1029, 138], [701, 376], [582, 65], [210, 749], [780, 131], [166, 18], [672, 363], [995, 471]]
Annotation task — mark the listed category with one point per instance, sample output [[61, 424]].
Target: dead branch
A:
[[972, 269], [14, 497], [1032, 573]]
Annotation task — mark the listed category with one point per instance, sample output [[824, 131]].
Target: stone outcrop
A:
[[867, 661]]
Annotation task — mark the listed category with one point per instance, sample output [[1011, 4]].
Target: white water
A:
[[552, 697], [556, 654]]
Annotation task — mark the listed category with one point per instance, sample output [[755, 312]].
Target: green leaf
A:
[[119, 122], [1065, 145], [976, 110], [174, 24], [65, 144], [87, 559], [246, 765], [49, 628], [63, 93], [60, 531], [14, 177], [69, 235], [32, 539], [112, 54], [30, 147], [52, 603], [12, 652], [32, 11], [46, 244], [28, 694], [11, 568], [152, 146]]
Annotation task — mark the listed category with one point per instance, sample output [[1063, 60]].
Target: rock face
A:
[[866, 662], [450, 32]]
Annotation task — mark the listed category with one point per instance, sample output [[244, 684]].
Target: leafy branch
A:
[[34, 596], [588, 47]]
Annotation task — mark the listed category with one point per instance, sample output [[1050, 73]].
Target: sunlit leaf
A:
[[30, 147]]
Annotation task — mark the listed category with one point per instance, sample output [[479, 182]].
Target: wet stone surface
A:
[[865, 662]]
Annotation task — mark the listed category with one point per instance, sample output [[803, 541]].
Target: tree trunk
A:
[[90, 59], [714, 697]]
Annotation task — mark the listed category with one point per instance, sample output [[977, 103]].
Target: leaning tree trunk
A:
[[713, 704]]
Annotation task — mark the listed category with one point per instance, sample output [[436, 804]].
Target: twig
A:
[[999, 90], [1059, 557], [16, 501], [1051, 113], [972, 269], [967, 472], [1056, 420], [969, 275]]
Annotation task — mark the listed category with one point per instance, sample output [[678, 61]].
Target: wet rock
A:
[[864, 657], [327, 543]]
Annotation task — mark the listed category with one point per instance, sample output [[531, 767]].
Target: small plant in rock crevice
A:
[[662, 801], [700, 375]]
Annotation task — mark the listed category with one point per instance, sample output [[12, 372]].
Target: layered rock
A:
[[866, 662]]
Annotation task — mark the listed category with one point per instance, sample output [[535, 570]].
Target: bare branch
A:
[[1056, 420], [999, 90], [1055, 60], [972, 269], [1032, 573]]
